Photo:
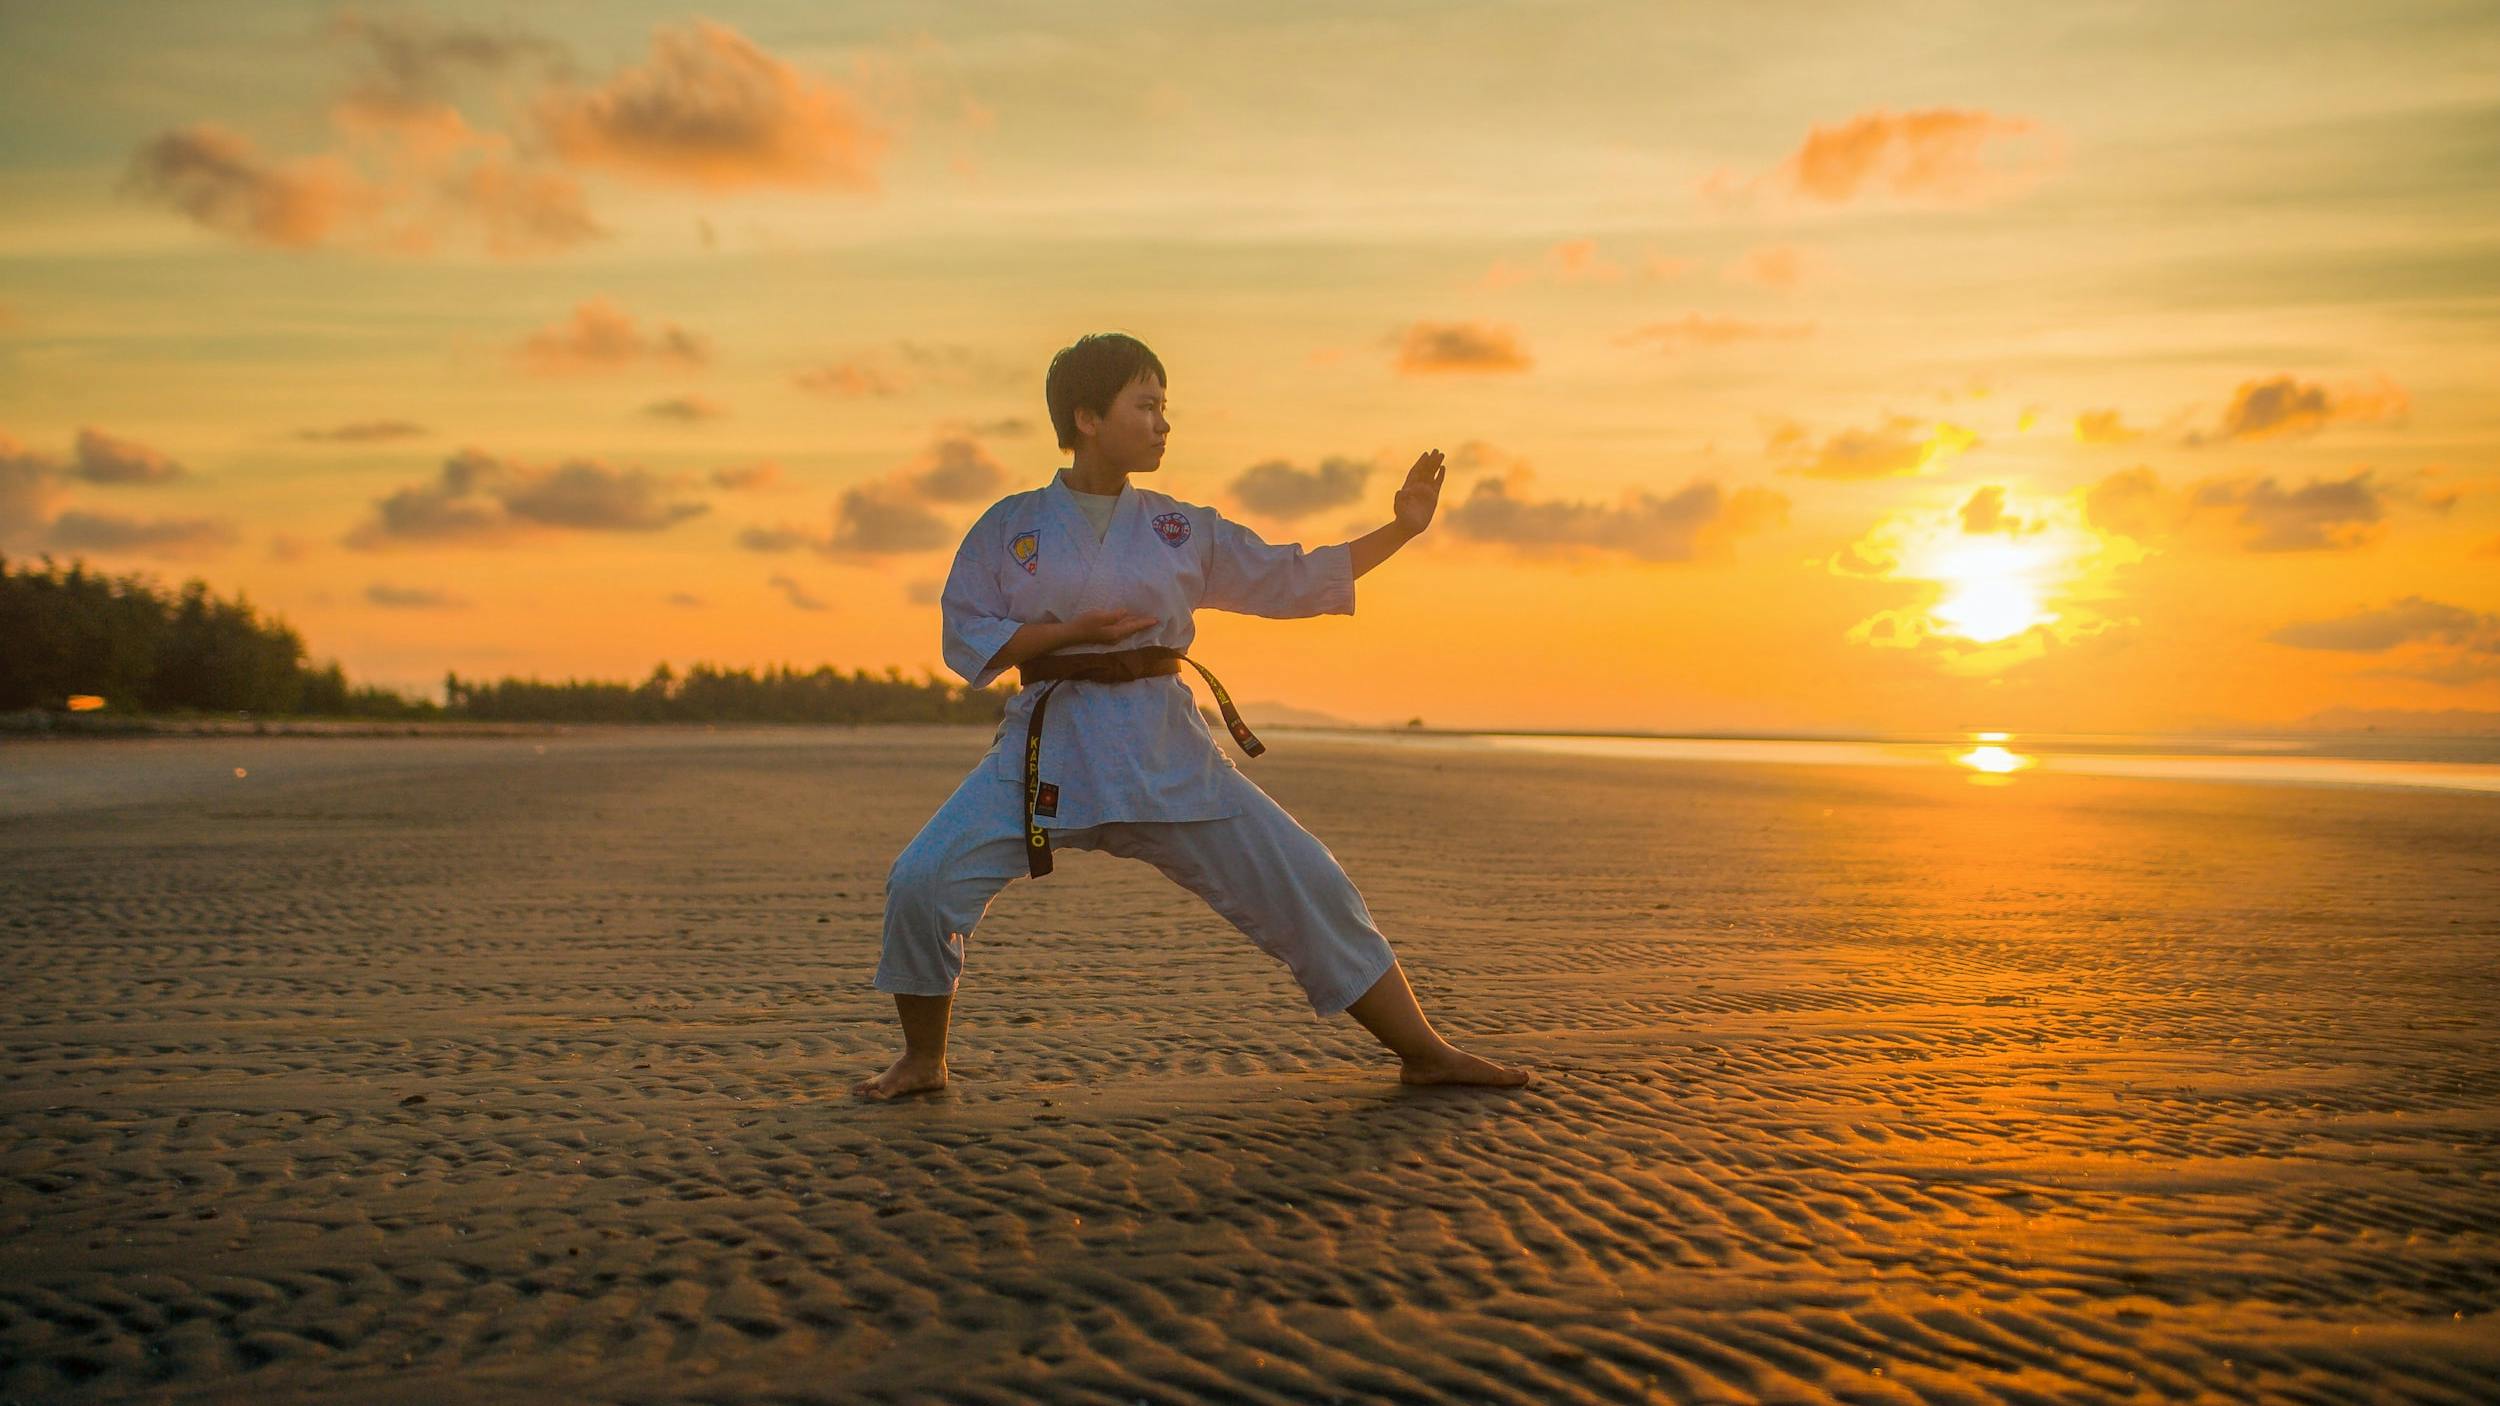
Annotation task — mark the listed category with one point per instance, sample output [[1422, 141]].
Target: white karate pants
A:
[[1263, 872]]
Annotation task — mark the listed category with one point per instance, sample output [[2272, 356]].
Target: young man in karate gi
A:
[[1087, 585]]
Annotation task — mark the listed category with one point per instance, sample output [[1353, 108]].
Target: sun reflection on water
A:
[[1991, 761]]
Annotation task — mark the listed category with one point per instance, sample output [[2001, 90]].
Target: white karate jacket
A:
[[1124, 751]]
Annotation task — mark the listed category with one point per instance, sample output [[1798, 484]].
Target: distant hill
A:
[[2443, 722], [1272, 714], [1287, 715]]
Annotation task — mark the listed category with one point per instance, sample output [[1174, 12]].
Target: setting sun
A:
[[1992, 590]]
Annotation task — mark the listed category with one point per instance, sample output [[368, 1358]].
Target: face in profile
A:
[[1129, 438]]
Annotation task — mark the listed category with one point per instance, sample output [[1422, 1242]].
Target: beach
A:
[[516, 1068]]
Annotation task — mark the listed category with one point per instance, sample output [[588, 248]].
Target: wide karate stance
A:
[[1085, 586]]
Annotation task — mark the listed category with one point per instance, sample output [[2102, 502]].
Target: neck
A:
[[1090, 475]]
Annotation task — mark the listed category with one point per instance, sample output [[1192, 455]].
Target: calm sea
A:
[[2444, 763]]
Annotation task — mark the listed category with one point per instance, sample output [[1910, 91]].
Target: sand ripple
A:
[[481, 1072]]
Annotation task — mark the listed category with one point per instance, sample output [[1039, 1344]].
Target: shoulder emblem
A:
[[1173, 528], [1028, 552]]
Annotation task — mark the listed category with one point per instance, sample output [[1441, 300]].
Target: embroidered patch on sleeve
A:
[[1028, 550], [1173, 528]]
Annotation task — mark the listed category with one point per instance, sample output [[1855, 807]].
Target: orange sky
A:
[[2110, 367]]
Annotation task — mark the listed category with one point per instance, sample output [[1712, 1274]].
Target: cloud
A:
[[30, 489], [775, 539], [2412, 620], [287, 547], [590, 495], [957, 365], [1279, 490], [2285, 407], [1769, 266], [690, 601], [1433, 348], [925, 591], [363, 432], [1005, 427], [1699, 520], [1984, 512], [710, 109], [1900, 446], [909, 367], [600, 336], [2103, 427], [890, 516], [689, 408], [103, 459], [1930, 156], [1571, 261], [412, 63], [402, 177], [219, 180], [874, 519], [955, 470], [2129, 503], [1694, 329], [796, 593], [405, 169], [413, 598], [847, 381], [480, 500], [753, 478], [79, 530], [34, 488], [2321, 515], [2254, 513]]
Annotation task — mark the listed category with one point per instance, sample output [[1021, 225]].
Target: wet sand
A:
[[427, 1069]]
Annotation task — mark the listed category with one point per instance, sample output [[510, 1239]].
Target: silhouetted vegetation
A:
[[707, 694], [69, 633]]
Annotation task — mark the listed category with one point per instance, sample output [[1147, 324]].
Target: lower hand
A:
[[1108, 626]]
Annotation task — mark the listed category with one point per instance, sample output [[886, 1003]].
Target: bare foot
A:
[[904, 1076], [1452, 1065]]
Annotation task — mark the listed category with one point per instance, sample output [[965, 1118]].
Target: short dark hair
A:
[[1091, 372]]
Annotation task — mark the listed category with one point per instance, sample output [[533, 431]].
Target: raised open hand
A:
[[1421, 493]]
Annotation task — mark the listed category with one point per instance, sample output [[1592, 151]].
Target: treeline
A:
[[68, 633], [707, 694]]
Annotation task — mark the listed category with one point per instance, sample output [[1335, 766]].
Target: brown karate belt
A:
[[1112, 666]]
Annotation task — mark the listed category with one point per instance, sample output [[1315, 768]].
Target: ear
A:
[[1088, 424]]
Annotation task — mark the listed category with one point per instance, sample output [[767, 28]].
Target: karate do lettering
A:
[[1034, 836]]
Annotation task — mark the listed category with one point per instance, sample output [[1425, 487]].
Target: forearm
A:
[[1378, 545], [1031, 641]]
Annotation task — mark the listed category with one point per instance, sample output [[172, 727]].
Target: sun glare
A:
[[1992, 589]]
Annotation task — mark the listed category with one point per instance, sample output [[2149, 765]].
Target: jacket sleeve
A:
[[1254, 577], [973, 607]]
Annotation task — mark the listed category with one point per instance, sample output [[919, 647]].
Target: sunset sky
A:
[[2084, 367]]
